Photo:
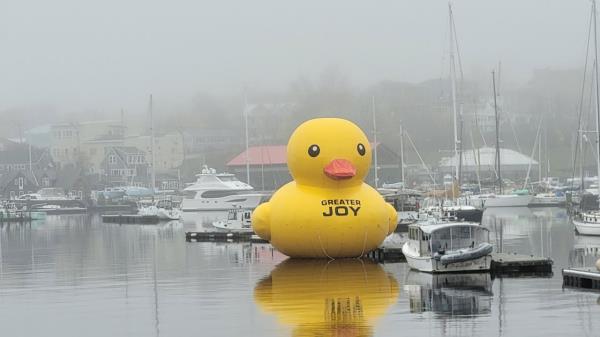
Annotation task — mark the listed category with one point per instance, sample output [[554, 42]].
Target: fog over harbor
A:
[[78, 58]]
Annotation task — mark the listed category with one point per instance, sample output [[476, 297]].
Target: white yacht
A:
[[448, 247], [214, 191]]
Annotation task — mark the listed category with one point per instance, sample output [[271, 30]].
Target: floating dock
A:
[[502, 263], [18, 217], [583, 278], [505, 263], [131, 219], [223, 237]]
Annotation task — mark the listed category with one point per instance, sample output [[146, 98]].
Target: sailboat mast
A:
[[597, 96], [246, 133], [402, 154], [453, 88], [153, 172], [374, 140], [497, 132]]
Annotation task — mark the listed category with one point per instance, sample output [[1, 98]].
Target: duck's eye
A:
[[361, 149], [314, 150]]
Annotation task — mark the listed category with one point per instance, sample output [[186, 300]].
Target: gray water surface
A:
[[75, 276]]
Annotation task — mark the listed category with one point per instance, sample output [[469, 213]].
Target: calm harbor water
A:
[[75, 276]]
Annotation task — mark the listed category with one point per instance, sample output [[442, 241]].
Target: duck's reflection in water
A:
[[327, 298], [450, 294]]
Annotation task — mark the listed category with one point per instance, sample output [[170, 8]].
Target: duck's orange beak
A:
[[339, 169]]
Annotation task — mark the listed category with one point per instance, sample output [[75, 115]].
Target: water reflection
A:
[[527, 230], [449, 294], [327, 298], [586, 250]]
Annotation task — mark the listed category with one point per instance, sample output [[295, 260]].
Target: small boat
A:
[[238, 220], [587, 223], [164, 209], [57, 209], [448, 247]]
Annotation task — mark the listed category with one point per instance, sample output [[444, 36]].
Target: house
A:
[[482, 161], [125, 166], [16, 183], [76, 183], [24, 169]]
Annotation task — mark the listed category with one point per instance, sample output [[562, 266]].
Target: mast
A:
[[597, 95], [497, 132], [374, 139], [246, 132], [453, 87], [153, 172], [402, 154]]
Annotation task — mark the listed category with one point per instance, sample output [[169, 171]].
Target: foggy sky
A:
[[110, 54]]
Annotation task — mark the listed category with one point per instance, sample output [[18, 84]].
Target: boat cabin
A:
[[429, 239]]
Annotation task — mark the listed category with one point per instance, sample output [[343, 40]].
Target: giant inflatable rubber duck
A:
[[343, 297], [327, 211]]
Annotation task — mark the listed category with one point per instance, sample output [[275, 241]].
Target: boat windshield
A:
[[228, 178], [458, 237]]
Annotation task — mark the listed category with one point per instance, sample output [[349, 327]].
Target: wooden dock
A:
[[518, 264], [223, 237], [131, 219], [582, 278]]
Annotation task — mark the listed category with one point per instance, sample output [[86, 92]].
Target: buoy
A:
[[327, 210], [327, 298]]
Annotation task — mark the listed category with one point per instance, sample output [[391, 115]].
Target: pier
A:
[[582, 278], [131, 219], [223, 237]]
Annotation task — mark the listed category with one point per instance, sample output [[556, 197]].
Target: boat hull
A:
[[587, 228], [509, 201], [429, 265], [245, 201], [548, 202]]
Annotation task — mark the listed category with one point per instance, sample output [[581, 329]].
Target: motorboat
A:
[[214, 191], [448, 247], [464, 294], [238, 220], [587, 223]]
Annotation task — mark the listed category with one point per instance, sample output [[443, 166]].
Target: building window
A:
[[45, 182], [12, 194], [112, 159]]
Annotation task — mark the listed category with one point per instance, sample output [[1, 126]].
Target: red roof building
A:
[[261, 155]]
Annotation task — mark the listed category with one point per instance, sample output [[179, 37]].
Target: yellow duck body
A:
[[327, 211]]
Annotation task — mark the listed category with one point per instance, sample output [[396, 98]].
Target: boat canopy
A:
[[448, 236]]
